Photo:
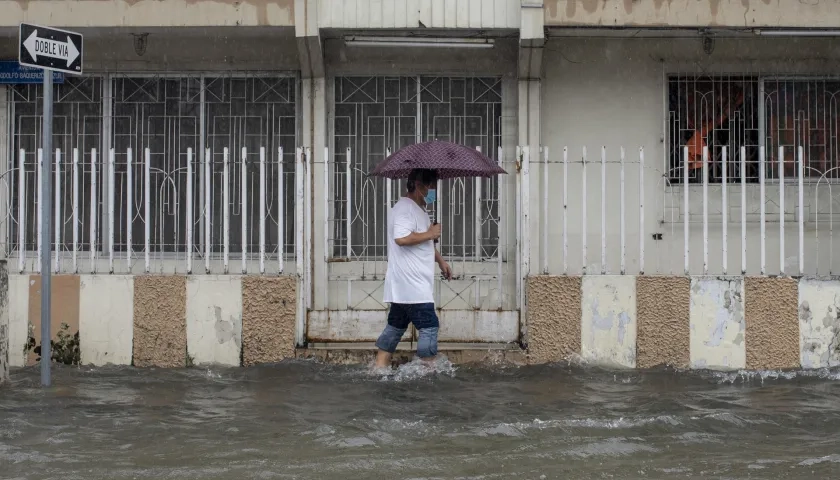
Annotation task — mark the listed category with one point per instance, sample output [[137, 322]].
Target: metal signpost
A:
[[51, 50]]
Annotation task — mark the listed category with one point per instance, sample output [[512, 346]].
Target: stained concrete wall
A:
[[819, 323], [214, 319], [64, 306], [717, 323], [268, 319], [4, 323], [663, 309], [390, 14], [772, 323], [608, 320], [106, 319], [19, 331], [160, 332], [147, 13], [692, 13], [554, 312]]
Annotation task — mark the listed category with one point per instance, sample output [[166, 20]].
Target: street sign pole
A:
[[51, 50], [46, 234]]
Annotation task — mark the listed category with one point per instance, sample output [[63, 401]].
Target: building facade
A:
[[213, 205]]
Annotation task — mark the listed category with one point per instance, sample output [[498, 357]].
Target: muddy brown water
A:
[[305, 420]]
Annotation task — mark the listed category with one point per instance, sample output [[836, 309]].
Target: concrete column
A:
[[5, 164], [531, 42], [4, 247], [4, 323], [313, 135]]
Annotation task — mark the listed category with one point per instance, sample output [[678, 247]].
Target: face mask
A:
[[430, 197]]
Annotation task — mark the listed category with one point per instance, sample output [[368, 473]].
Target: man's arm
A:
[[414, 238], [444, 267]]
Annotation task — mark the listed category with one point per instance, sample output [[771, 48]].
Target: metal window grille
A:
[[754, 112], [803, 113], [77, 123], [168, 116], [374, 115], [713, 112]]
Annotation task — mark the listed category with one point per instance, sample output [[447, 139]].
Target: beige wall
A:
[[268, 319], [554, 318], [482, 14], [143, 13], [772, 323], [663, 321], [692, 13]]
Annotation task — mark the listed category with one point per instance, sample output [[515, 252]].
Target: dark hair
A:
[[421, 176]]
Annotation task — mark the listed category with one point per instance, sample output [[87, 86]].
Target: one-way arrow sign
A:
[[50, 48]]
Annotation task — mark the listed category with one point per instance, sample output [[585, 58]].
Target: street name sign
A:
[[50, 49]]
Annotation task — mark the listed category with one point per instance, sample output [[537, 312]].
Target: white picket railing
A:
[[122, 212], [104, 205], [640, 205]]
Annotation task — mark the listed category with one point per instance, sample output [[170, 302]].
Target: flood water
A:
[[308, 420]]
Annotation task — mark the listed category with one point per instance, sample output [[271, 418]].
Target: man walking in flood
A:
[[410, 278]]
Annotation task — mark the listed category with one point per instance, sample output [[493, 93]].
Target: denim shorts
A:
[[425, 320]]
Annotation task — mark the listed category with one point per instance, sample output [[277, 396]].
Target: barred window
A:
[[376, 114], [743, 114], [77, 123], [167, 115]]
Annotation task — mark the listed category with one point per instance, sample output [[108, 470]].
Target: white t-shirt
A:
[[411, 270]]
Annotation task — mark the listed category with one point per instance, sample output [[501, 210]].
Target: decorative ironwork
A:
[[376, 114]]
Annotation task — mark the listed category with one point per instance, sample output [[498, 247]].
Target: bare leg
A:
[[383, 359]]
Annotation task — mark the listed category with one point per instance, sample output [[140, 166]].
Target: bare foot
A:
[[383, 359]]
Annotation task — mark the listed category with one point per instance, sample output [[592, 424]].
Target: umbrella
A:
[[448, 159]]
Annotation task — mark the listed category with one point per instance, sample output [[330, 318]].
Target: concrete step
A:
[[457, 353]]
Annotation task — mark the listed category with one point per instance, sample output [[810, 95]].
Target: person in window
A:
[[410, 278]]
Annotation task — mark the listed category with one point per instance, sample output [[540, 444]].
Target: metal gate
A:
[[372, 116]]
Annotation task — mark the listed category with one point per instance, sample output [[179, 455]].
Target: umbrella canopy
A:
[[448, 159]]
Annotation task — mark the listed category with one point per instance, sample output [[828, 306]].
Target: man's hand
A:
[[445, 269], [434, 232]]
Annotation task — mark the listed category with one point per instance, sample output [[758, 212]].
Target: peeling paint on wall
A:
[[608, 333], [214, 319], [717, 323], [819, 323]]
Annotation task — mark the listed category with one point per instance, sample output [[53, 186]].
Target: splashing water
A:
[[414, 370]]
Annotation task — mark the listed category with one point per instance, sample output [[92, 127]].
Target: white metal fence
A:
[[132, 212], [245, 212], [617, 213]]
